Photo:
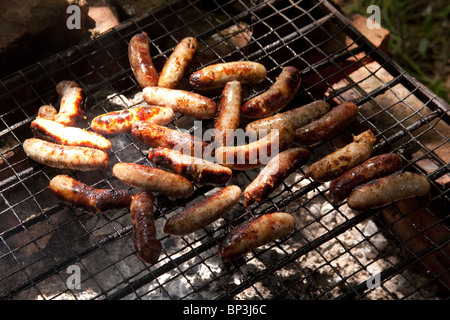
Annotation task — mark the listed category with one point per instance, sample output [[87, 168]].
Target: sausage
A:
[[276, 97], [152, 179], [58, 133], [255, 233], [217, 75], [65, 157], [297, 118], [343, 159], [229, 114], [274, 173], [116, 122], [159, 136], [256, 153], [79, 195], [186, 102], [47, 112], [71, 108], [147, 246], [203, 213], [177, 63], [195, 169], [385, 190], [373, 168], [327, 126], [141, 62]]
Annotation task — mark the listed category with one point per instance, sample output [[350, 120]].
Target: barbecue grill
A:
[[334, 252]]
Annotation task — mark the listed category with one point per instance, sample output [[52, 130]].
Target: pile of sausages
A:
[[59, 143]]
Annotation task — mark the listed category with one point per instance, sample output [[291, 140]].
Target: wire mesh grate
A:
[[333, 250]]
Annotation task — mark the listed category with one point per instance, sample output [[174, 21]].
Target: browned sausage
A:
[[203, 213], [327, 126], [152, 179], [229, 115], [161, 136], [195, 169], [116, 122], [217, 75], [297, 118], [141, 62], [65, 157], [373, 168], [71, 108], [186, 102], [274, 173], [276, 97], [177, 63], [256, 153], [47, 112], [80, 195], [70, 136], [255, 233], [147, 246], [333, 165], [385, 190]]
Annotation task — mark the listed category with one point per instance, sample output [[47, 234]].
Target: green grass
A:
[[419, 34]]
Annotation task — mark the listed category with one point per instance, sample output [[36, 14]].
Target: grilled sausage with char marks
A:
[[147, 246], [186, 102], [373, 168], [152, 179], [389, 189], [256, 153], [327, 126], [65, 157], [116, 122], [177, 63], [58, 133], [71, 108], [80, 195], [141, 62], [203, 213], [255, 233], [217, 75], [276, 98], [229, 114], [274, 173], [333, 165], [195, 169], [297, 118], [159, 136]]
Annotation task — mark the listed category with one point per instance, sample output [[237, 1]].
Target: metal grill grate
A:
[[333, 250]]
